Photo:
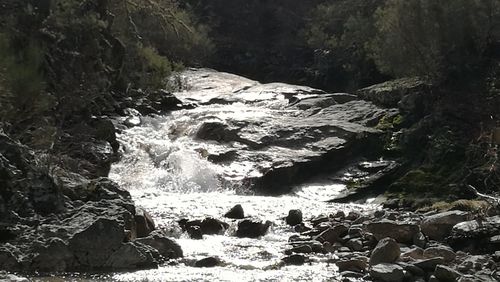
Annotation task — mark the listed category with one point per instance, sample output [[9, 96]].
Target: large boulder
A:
[[438, 226], [96, 241], [407, 93], [476, 235], [386, 251]]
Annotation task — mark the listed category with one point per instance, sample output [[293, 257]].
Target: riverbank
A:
[[233, 141]]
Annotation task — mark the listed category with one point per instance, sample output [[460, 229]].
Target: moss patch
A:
[[462, 205]]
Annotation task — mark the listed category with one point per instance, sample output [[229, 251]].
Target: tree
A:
[[434, 38], [340, 32]]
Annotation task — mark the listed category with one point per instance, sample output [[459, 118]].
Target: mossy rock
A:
[[388, 94]]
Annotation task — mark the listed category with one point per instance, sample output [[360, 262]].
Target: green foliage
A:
[[156, 68], [417, 181], [435, 38], [389, 122], [22, 79]]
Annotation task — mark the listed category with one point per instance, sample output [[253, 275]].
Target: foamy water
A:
[[166, 170]]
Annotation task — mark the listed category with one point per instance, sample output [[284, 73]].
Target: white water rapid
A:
[[166, 169]]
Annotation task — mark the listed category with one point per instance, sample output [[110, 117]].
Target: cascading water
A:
[[166, 168]]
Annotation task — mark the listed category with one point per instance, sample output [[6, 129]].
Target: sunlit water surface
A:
[[165, 169]]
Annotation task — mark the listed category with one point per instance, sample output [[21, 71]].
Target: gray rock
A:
[[429, 264], [333, 234], [4, 276], [415, 253], [386, 251], [235, 212], [475, 235], [438, 226], [473, 264], [356, 265], [390, 93], [446, 274], [442, 251], [294, 217], [387, 272], [96, 241], [355, 245], [401, 232]]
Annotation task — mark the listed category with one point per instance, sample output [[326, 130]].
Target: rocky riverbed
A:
[[242, 179]]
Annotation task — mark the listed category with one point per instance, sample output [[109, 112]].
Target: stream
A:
[[176, 167]]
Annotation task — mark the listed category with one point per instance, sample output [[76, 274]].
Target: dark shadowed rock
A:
[[295, 259], [294, 217], [386, 251], [208, 226], [195, 232], [212, 226], [96, 241], [446, 274], [235, 212], [333, 234], [144, 223], [9, 258], [54, 256], [208, 262], [252, 229], [429, 264]]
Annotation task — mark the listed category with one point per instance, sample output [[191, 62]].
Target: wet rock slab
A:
[[289, 133]]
